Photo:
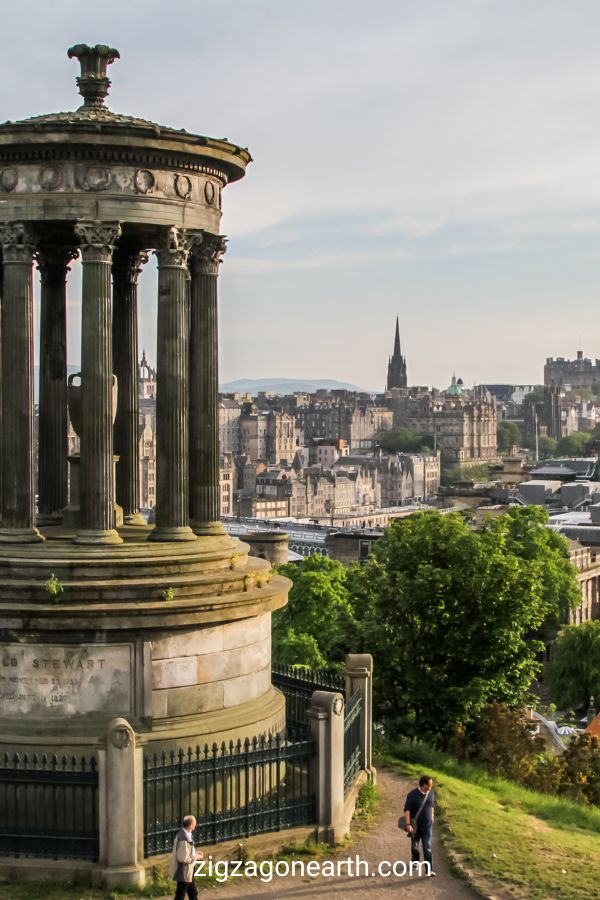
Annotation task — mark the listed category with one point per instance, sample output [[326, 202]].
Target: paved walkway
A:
[[384, 841]]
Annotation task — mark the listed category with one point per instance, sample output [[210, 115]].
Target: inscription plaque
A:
[[61, 680]]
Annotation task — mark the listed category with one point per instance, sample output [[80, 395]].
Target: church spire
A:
[[397, 338], [397, 365]]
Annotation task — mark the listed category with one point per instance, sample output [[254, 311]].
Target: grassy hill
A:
[[510, 840]]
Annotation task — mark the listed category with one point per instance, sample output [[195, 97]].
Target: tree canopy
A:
[[508, 434], [573, 444], [574, 673], [317, 627], [403, 440], [451, 614]]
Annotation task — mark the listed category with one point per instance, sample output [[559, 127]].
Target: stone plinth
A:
[[173, 636], [270, 545]]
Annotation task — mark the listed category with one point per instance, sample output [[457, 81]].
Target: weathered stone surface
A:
[[51, 680], [240, 690], [190, 700], [190, 643], [247, 631], [167, 673]]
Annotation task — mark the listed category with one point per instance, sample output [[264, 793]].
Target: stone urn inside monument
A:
[[74, 405]]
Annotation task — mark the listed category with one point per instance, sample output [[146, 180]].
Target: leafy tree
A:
[[574, 672], [524, 529], [546, 446], [450, 614], [403, 440], [574, 444], [509, 434], [317, 627], [534, 397], [501, 742]]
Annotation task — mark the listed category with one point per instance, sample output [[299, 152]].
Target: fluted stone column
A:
[[97, 241], [18, 495], [1, 294], [172, 486], [205, 506], [52, 416], [127, 265]]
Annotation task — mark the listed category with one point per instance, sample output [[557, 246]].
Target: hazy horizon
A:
[[435, 161]]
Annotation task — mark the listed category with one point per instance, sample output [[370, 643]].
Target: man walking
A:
[[419, 815], [183, 857]]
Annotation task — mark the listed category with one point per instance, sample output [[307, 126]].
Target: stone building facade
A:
[[573, 373]]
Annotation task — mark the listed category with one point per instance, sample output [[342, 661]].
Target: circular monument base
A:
[[175, 637]]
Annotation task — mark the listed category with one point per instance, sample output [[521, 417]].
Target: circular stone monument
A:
[[167, 627]]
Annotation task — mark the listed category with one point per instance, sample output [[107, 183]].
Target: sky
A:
[[435, 160]]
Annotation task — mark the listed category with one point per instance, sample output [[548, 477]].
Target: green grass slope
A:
[[527, 845]]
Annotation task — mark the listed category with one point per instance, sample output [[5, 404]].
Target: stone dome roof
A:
[[93, 120]]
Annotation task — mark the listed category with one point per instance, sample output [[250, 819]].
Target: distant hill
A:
[[284, 385]]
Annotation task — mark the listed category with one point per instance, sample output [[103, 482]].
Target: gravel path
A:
[[384, 841]]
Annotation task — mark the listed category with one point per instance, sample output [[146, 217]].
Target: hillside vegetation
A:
[[525, 844]]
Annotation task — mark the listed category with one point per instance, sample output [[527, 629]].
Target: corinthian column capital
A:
[[127, 266], [97, 240], [207, 254], [16, 241], [172, 248], [54, 257]]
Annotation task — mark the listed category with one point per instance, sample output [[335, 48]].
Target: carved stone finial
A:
[[93, 82]]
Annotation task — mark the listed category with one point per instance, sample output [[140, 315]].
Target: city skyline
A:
[[439, 163]]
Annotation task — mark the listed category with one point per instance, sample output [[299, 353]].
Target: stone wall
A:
[[211, 668]]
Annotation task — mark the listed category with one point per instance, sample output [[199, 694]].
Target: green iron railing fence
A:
[[49, 807], [233, 791], [352, 761], [298, 685]]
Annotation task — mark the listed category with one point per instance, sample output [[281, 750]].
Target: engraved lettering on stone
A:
[[51, 178], [144, 181], [8, 179], [183, 187], [209, 192], [97, 178], [58, 680]]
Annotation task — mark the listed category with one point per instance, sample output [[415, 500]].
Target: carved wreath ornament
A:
[[121, 737]]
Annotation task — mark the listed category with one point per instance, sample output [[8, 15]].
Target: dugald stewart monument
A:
[[115, 635]]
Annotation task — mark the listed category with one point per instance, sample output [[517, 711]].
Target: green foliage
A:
[[450, 615], [535, 397], [403, 440], [574, 672], [54, 587], [499, 741], [453, 474], [574, 444], [547, 556], [522, 842], [508, 434], [317, 627], [168, 594], [546, 447]]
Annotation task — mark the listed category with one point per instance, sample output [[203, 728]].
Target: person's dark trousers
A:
[[423, 836], [186, 887]]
